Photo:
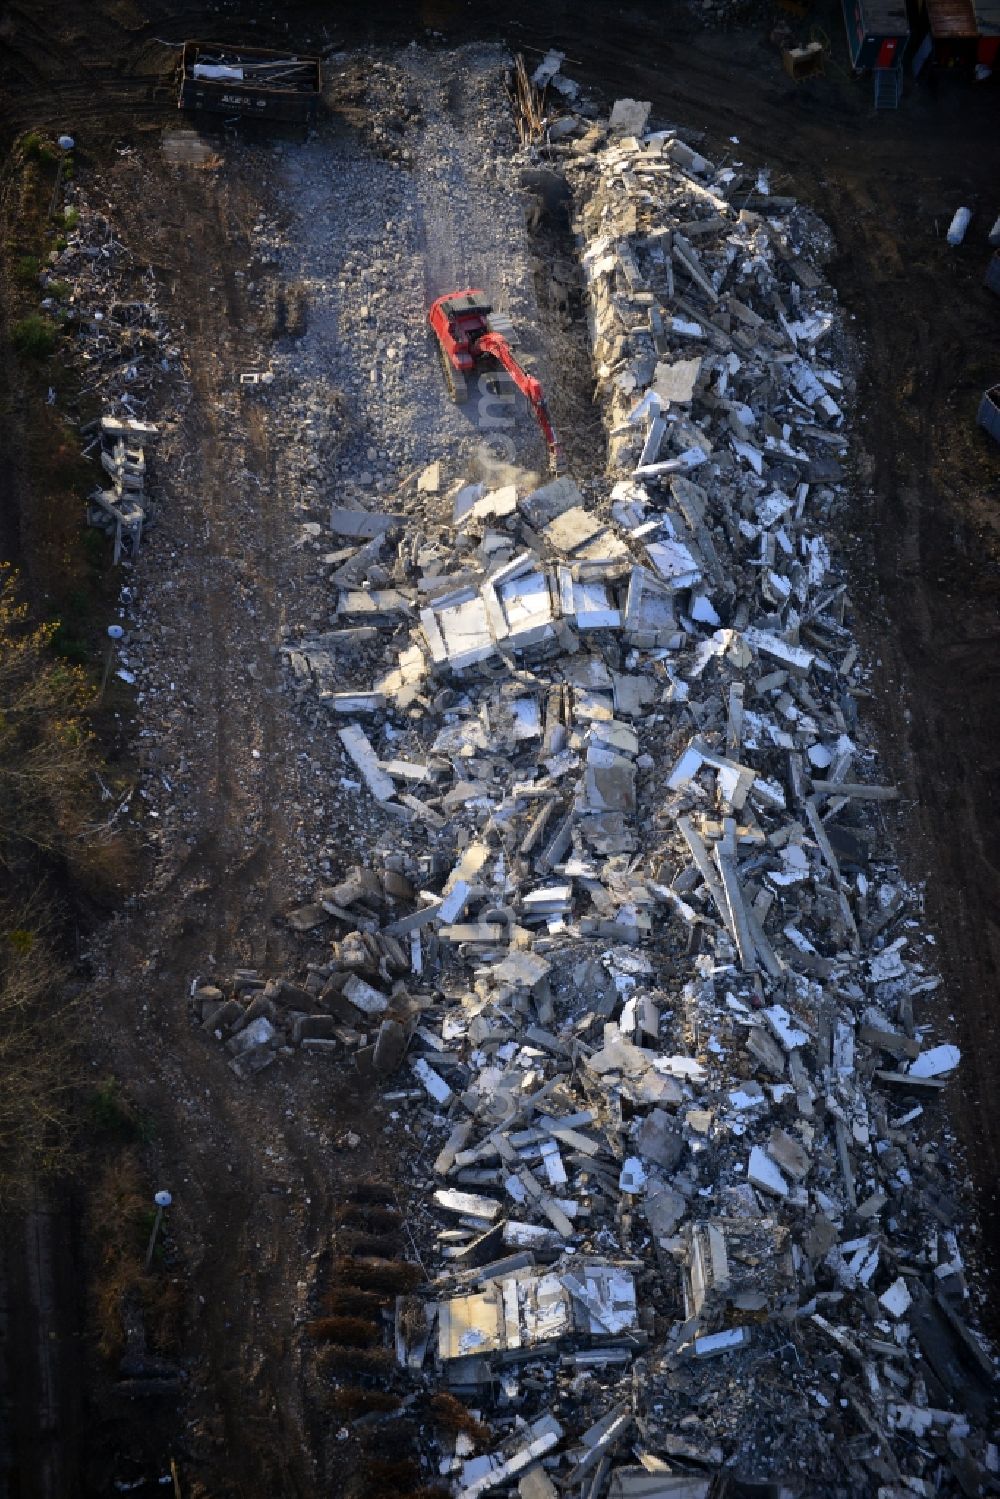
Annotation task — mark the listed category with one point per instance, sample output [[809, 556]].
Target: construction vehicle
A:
[[467, 333]]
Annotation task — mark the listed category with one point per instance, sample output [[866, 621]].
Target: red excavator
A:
[[465, 335]]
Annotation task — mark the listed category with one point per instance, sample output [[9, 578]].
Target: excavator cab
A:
[[461, 323], [458, 320]]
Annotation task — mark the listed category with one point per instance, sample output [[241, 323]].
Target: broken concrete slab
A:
[[544, 505], [675, 382], [359, 748], [362, 525], [765, 1174], [628, 117]]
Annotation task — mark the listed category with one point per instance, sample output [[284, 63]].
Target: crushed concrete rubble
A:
[[631, 954]]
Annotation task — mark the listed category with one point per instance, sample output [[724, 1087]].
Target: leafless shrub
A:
[[352, 1402], [377, 1275], [381, 1246], [380, 1220], [377, 1363], [351, 1302], [450, 1415], [353, 1332]]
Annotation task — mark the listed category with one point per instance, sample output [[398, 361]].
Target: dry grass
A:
[[115, 1284], [119, 1214], [65, 565], [50, 831], [62, 559], [50, 477], [106, 867], [166, 1309], [413, 1319], [118, 1203], [46, 755], [50, 812], [37, 1062]]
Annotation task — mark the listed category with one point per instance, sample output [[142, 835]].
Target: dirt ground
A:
[[258, 1172]]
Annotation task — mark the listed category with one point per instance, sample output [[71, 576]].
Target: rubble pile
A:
[[107, 299], [704, 300], [630, 956], [631, 928]]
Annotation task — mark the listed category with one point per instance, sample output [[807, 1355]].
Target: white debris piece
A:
[[763, 1173], [710, 1345], [258, 1033], [782, 1024], [889, 963], [633, 1175], [548, 68], [468, 1203], [933, 1063], [897, 1299], [429, 481], [675, 382], [364, 997], [432, 1081], [678, 1066], [359, 747]]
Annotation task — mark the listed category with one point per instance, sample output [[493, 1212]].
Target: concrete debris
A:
[[495, 1470], [629, 116], [631, 932], [123, 510], [105, 297]]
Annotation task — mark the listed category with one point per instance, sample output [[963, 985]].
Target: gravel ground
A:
[[373, 239]]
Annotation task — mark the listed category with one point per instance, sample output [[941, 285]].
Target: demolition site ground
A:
[[314, 260]]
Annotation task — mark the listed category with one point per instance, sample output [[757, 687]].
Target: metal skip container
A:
[[250, 81]]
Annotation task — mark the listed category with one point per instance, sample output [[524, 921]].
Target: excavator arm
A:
[[497, 346]]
